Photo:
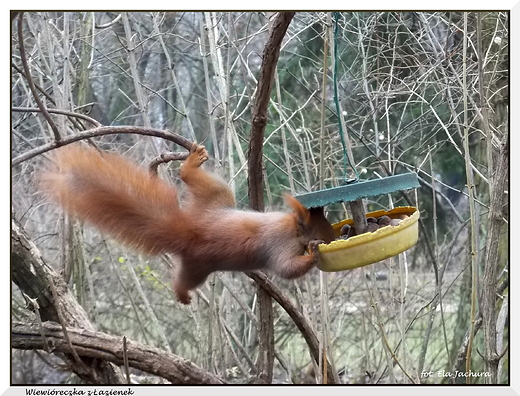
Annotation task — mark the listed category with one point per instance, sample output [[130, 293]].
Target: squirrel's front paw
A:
[[313, 248], [313, 245]]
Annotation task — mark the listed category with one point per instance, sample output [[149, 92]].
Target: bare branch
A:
[[32, 87], [56, 111], [100, 346], [102, 131], [34, 278], [269, 59], [298, 318]]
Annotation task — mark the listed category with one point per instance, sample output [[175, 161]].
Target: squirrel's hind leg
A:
[[206, 189]]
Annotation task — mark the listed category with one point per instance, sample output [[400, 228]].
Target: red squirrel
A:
[[207, 232]]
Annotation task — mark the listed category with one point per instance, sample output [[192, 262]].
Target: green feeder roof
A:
[[360, 189]]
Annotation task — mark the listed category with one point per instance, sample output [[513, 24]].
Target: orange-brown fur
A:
[[207, 232]]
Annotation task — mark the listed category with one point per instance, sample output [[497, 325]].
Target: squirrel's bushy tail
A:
[[118, 197]]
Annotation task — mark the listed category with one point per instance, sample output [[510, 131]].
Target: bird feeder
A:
[[369, 247], [365, 247]]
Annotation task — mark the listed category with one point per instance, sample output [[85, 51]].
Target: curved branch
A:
[[101, 131], [97, 345], [165, 158], [298, 318]]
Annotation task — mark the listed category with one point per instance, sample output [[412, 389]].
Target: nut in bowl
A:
[[391, 233]]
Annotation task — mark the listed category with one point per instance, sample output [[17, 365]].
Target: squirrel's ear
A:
[[301, 211]]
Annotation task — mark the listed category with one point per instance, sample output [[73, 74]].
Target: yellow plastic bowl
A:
[[371, 247]]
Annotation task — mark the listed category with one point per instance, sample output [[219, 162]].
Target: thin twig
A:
[[56, 111], [165, 158], [471, 192], [125, 361], [32, 87]]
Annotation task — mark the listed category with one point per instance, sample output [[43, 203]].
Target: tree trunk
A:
[[265, 79], [489, 282], [52, 301], [255, 181]]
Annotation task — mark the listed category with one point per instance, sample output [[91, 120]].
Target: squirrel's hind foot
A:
[[199, 154]]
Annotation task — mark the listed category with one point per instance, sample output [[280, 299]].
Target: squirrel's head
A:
[[312, 221]]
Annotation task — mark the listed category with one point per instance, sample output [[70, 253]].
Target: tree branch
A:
[[255, 175], [98, 352], [297, 317], [102, 131], [165, 158], [32, 87], [265, 79], [489, 279], [34, 277], [56, 111], [96, 345]]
